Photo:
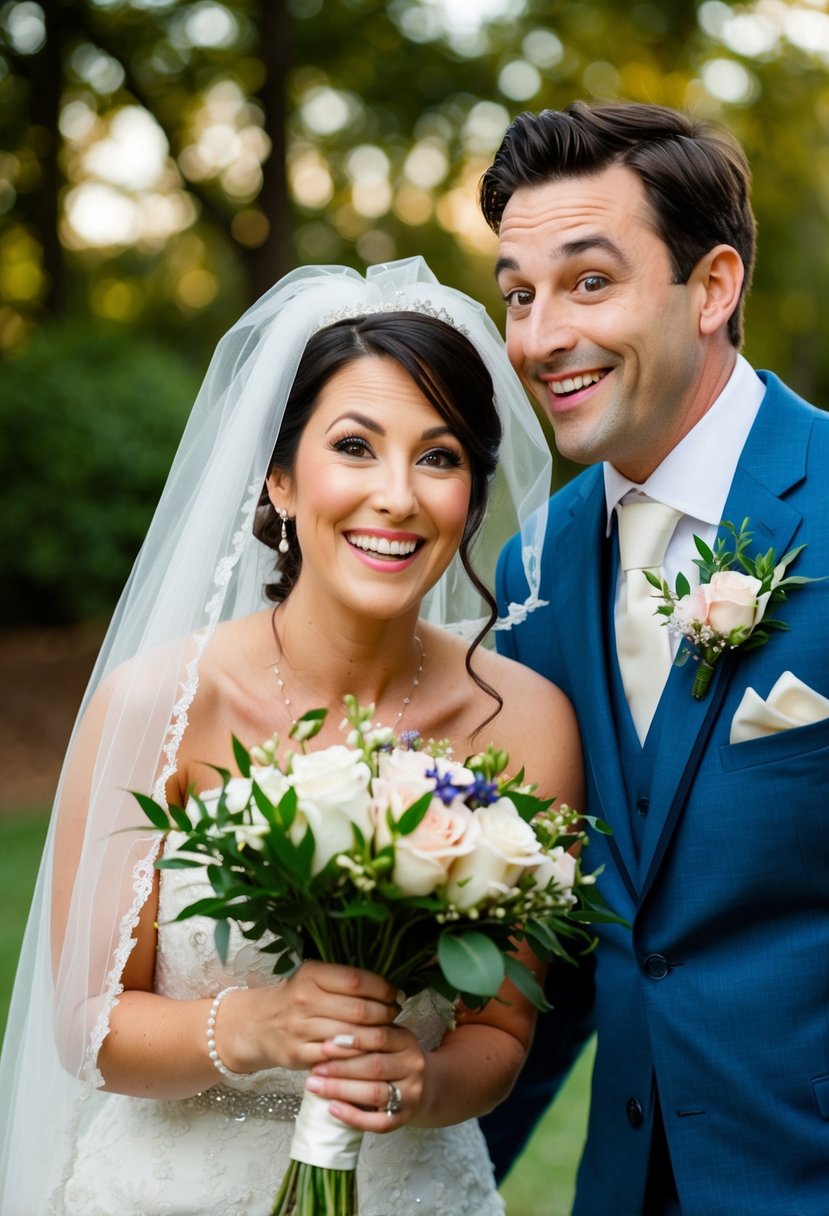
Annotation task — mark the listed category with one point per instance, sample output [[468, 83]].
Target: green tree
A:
[[356, 131]]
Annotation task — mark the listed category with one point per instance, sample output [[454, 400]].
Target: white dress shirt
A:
[[696, 475]]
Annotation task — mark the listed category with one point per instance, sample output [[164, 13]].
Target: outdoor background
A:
[[162, 162]]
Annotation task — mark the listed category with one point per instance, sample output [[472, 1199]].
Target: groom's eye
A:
[[593, 282], [519, 297]]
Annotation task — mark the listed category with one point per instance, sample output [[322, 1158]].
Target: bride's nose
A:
[[394, 494]]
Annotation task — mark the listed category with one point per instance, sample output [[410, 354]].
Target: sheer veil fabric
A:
[[201, 565]]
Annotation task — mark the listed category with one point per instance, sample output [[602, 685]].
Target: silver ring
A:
[[395, 1102]]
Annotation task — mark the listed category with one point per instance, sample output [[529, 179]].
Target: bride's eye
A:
[[441, 458], [352, 445]]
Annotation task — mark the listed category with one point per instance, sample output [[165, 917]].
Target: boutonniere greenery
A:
[[728, 608]]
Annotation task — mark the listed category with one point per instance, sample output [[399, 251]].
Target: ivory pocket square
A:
[[790, 703]]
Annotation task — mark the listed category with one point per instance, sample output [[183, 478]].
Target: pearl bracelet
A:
[[212, 1050]]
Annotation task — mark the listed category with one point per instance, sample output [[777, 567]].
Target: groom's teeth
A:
[[383, 546], [572, 383]]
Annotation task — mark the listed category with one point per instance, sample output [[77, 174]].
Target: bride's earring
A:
[[284, 544]]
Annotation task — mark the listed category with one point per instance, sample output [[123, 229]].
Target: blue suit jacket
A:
[[719, 994]]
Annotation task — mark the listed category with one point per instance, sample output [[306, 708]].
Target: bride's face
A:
[[379, 492]]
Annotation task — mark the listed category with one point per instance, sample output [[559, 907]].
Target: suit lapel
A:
[[773, 460], [581, 579]]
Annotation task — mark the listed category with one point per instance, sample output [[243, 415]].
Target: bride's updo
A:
[[449, 372]]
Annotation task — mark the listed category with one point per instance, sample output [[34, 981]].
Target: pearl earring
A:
[[284, 544]]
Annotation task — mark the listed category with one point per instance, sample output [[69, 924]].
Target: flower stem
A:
[[702, 679], [311, 1190]]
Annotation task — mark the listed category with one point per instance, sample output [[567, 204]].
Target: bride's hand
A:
[[286, 1024], [376, 1084]]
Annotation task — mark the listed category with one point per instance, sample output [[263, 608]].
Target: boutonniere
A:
[[729, 606]]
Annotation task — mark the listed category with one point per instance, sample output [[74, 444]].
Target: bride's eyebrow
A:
[[433, 432], [360, 419]]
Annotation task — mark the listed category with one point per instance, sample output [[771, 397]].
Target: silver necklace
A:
[[407, 700]]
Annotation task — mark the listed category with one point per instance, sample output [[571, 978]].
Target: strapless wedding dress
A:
[[223, 1153]]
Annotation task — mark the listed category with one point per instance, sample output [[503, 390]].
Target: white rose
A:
[[507, 846], [272, 782], [557, 867], [333, 796], [252, 833], [237, 795]]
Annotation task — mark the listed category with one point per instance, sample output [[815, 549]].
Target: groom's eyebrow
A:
[[572, 249]]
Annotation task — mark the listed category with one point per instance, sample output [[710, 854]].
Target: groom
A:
[[626, 247]]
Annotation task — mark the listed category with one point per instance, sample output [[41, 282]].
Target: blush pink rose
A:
[[422, 859], [730, 601]]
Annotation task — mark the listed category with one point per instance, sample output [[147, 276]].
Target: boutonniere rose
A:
[[728, 608]]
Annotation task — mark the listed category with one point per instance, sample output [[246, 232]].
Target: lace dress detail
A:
[[142, 1157]]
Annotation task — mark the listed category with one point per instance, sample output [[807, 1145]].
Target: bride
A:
[[350, 426]]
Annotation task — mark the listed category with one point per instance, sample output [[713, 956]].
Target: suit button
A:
[[634, 1112], [643, 805], [657, 966]]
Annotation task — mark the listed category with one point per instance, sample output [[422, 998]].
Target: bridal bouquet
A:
[[385, 854]]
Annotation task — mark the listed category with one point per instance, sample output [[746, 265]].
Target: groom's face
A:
[[604, 339]]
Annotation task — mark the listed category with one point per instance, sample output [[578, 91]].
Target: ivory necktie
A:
[[642, 641]]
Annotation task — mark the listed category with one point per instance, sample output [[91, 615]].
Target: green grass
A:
[[21, 841], [540, 1185], [543, 1181]]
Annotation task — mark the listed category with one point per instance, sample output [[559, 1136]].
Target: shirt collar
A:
[[696, 475]]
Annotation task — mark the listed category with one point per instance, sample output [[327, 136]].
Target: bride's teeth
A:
[[383, 546]]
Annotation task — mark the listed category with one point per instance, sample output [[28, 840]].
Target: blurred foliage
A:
[[163, 161], [356, 131], [89, 425]]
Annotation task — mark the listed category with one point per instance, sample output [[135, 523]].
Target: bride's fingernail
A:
[[344, 1040], [315, 1084]]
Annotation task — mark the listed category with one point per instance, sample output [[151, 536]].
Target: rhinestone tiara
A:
[[401, 303]]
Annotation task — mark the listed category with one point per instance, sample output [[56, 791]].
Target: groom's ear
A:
[[281, 490], [719, 276]]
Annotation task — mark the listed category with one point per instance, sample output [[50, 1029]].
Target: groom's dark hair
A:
[[694, 173]]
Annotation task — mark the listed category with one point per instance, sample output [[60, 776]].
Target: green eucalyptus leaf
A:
[[526, 983], [471, 962]]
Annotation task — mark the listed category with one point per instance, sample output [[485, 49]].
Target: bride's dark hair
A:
[[452, 376]]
